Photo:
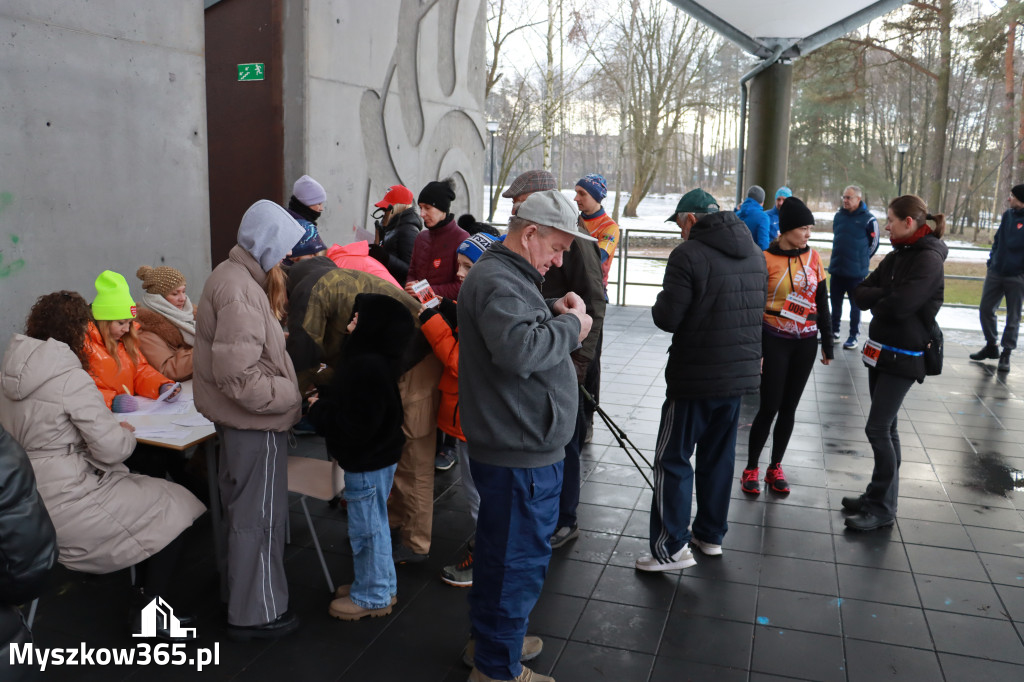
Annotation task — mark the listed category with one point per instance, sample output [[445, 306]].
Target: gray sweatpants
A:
[[254, 494]]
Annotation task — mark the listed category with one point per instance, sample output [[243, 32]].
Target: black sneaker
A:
[[403, 554], [990, 352], [1004, 361]]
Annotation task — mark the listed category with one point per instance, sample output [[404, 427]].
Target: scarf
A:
[[920, 232], [303, 210], [185, 319]]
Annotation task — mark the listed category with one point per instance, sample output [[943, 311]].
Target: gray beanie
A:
[[310, 192], [756, 192]]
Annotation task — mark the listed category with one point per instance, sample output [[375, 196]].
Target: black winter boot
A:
[[989, 352]]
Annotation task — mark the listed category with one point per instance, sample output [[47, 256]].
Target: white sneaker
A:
[[681, 559], [706, 547]]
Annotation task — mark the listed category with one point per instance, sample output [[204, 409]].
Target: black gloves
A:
[[379, 253]]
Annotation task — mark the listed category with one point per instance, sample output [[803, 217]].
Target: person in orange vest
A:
[[795, 312]]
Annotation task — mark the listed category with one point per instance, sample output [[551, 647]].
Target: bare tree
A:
[[654, 57], [513, 108]]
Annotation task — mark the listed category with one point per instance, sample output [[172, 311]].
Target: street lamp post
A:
[[902, 148], [492, 127]]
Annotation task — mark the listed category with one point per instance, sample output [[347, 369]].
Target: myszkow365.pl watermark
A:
[[158, 614]]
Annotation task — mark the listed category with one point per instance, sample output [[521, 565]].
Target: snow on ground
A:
[[650, 221]]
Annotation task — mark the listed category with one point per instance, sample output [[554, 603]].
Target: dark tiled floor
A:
[[939, 596]]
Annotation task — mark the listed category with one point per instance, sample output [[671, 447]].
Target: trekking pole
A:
[[620, 436]]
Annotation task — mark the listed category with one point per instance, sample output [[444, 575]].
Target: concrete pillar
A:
[[766, 162]]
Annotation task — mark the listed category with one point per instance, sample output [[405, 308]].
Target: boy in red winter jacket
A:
[[440, 326]]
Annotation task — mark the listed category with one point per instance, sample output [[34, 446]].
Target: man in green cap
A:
[[692, 207], [712, 302]]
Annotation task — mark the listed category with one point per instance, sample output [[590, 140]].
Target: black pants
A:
[[787, 365], [887, 394], [155, 573]]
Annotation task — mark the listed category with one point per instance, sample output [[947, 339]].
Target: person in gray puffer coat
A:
[[245, 384], [712, 301]]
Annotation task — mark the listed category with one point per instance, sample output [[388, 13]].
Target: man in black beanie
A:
[[1005, 278]]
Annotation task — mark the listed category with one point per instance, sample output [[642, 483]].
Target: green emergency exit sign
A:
[[250, 72]]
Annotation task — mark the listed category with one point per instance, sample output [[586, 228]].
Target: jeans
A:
[[569, 500], [996, 287], [472, 495], [366, 493], [841, 286], [709, 426], [887, 394], [518, 513]]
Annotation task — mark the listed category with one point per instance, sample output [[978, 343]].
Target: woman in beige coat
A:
[[245, 384], [106, 518]]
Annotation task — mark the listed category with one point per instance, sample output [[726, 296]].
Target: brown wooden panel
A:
[[245, 122]]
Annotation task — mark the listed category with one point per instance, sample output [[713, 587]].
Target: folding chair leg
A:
[[316, 543], [32, 612]]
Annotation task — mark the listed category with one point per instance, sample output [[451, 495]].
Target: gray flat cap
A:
[[552, 209]]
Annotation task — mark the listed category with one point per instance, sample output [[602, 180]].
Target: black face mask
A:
[[303, 210]]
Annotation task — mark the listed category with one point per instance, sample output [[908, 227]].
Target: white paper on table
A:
[[147, 406], [192, 420], [167, 432]]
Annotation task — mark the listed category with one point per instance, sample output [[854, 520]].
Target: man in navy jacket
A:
[[1005, 277], [854, 242]]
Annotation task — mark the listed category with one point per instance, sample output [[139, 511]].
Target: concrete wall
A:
[[392, 93], [102, 146]]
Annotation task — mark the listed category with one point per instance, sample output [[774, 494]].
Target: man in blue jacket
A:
[[1005, 277], [519, 400], [854, 242], [752, 213], [773, 214]]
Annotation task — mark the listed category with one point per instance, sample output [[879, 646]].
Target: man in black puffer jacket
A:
[[28, 550], [712, 301]]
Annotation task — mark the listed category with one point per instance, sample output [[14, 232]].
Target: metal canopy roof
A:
[[798, 26]]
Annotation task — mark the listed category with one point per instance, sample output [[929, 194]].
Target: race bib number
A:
[[871, 352], [796, 308]]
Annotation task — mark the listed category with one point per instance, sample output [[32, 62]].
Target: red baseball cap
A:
[[396, 194]]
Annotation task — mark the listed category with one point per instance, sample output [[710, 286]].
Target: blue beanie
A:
[[310, 242], [475, 246], [595, 186], [783, 192]]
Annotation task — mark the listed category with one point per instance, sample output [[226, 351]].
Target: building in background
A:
[[140, 137]]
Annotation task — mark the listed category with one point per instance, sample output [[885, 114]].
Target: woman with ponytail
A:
[[244, 382], [904, 293]]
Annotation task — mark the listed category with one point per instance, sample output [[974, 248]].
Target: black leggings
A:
[[787, 364]]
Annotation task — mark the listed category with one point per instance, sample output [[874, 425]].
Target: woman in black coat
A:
[[396, 231], [904, 293], [28, 550]]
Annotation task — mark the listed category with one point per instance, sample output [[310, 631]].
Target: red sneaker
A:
[[775, 479], [748, 483]]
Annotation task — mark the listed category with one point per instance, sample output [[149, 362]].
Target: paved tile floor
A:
[[939, 596]]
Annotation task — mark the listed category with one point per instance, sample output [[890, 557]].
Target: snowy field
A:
[[650, 220]]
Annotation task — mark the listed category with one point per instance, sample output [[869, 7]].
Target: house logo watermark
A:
[[156, 617], [159, 615]]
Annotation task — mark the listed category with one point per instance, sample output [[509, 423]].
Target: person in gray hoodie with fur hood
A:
[[245, 384]]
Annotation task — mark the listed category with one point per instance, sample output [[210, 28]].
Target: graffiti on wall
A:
[[10, 264]]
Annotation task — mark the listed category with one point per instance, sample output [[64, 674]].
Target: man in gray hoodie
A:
[[517, 393]]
